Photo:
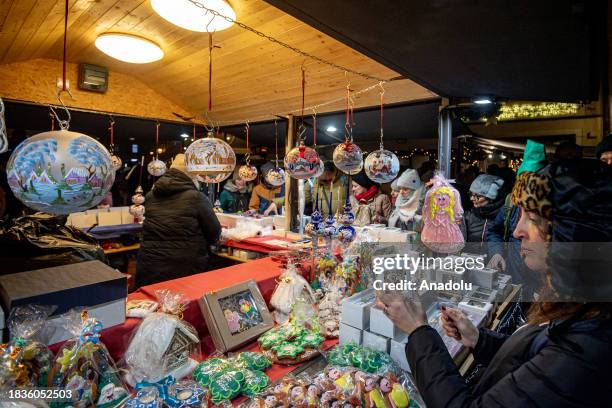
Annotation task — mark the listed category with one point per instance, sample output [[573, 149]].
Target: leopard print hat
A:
[[532, 192]]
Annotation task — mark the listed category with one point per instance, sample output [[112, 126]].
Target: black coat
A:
[[178, 229], [528, 369], [477, 221]]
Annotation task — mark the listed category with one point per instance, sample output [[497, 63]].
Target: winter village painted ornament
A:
[[212, 179], [275, 177], [247, 172], [321, 170], [381, 166], [116, 162], [156, 168], [302, 162], [137, 210], [210, 156], [60, 172], [348, 158]]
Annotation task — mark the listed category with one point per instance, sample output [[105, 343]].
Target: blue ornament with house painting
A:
[[60, 172]]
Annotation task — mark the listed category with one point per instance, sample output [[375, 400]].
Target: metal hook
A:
[[348, 81], [63, 124], [209, 23], [382, 88], [208, 125]]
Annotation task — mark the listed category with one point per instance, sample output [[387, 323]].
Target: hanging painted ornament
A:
[[156, 168], [302, 162], [247, 172], [321, 169], [137, 210], [116, 162], [275, 177], [210, 157], [382, 166], [212, 179], [60, 172], [348, 158]]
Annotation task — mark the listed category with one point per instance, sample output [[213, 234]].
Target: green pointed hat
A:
[[534, 157]]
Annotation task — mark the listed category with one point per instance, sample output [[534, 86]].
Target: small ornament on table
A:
[[137, 210], [346, 232], [217, 207]]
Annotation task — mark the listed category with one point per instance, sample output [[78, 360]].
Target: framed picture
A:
[[235, 315]]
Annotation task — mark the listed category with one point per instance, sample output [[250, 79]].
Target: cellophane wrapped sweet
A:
[[84, 365], [25, 362], [163, 344], [290, 288], [168, 393]]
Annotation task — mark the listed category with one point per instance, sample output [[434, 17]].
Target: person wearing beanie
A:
[[394, 191], [370, 205], [603, 151], [178, 228], [562, 356], [409, 202], [267, 199], [236, 194], [503, 248], [486, 194]]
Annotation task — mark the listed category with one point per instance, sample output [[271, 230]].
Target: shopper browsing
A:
[[369, 204], [409, 202], [235, 194], [266, 199], [487, 198], [178, 229], [562, 357]]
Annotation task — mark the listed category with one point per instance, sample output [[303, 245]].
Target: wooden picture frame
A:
[[235, 315]]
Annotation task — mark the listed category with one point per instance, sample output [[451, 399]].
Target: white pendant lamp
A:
[[187, 14], [129, 48]]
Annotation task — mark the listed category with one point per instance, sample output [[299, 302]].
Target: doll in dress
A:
[[442, 213]]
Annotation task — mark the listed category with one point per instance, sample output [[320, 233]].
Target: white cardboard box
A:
[[376, 342], [82, 220], [381, 324], [350, 334], [484, 277], [109, 218], [356, 309], [398, 354]]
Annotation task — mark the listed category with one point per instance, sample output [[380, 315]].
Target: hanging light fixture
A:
[[192, 14], [129, 48]]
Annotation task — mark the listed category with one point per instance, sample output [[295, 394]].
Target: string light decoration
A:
[[513, 111]]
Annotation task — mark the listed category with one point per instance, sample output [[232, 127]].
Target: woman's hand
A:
[[406, 314], [497, 262], [271, 208], [456, 325]]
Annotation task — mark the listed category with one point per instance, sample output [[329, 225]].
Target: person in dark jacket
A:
[[235, 195], [487, 198], [562, 357], [178, 229]]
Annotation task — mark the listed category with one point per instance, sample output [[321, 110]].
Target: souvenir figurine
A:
[[442, 212]]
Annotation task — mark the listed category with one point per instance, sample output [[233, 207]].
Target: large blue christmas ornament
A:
[[346, 232], [314, 227], [60, 172]]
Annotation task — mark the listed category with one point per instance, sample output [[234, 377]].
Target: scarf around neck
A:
[[367, 195], [407, 207]]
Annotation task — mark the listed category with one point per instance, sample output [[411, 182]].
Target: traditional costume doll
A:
[[442, 212]]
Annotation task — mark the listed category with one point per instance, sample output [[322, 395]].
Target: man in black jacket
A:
[[178, 229]]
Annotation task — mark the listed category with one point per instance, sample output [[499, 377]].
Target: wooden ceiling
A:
[[253, 78]]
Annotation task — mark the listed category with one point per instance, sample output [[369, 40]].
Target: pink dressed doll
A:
[[441, 213]]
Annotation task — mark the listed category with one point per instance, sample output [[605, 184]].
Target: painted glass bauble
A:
[[60, 172], [210, 156], [275, 177], [116, 162], [137, 211], [330, 229], [346, 233], [138, 199], [321, 169], [381, 166], [214, 178], [302, 162], [156, 168], [247, 172], [348, 158]]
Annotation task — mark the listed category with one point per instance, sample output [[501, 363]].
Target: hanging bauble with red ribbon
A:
[[210, 158]]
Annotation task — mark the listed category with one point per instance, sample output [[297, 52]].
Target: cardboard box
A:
[[126, 217], [109, 218], [477, 308], [356, 309], [85, 284], [381, 324], [398, 354], [484, 277], [482, 294], [350, 334], [82, 220], [376, 342]]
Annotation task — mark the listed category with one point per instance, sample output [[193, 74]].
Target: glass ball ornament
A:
[[156, 168], [137, 211], [321, 170], [210, 156], [212, 179], [275, 177], [60, 172], [330, 230], [116, 162], [382, 166], [302, 162], [346, 233], [348, 158], [247, 172]]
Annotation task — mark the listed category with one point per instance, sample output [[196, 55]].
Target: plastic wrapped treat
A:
[[291, 286], [290, 343], [84, 366], [25, 362], [168, 393], [163, 344], [442, 213]]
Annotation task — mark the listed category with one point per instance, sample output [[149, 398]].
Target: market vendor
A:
[[267, 199], [409, 202], [370, 205], [331, 180], [235, 194], [562, 357], [178, 229]]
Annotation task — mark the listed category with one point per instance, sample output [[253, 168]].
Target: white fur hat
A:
[[409, 179]]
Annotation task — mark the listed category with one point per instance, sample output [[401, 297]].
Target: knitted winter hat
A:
[[487, 185], [363, 180], [409, 179], [604, 146], [534, 157]]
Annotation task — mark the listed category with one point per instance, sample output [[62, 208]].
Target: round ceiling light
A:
[[185, 14], [129, 48]]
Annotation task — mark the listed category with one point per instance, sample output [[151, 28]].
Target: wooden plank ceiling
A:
[[253, 78]]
